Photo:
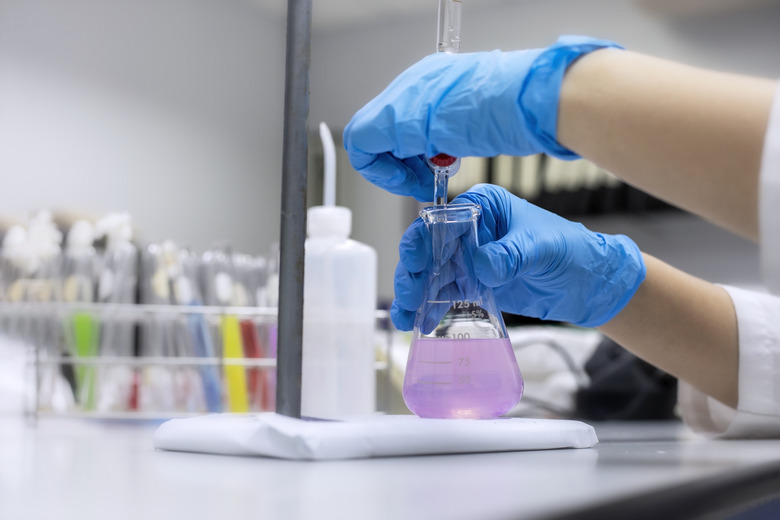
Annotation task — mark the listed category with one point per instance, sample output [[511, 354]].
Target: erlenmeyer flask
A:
[[461, 363]]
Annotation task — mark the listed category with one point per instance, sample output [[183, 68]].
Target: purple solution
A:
[[462, 378]]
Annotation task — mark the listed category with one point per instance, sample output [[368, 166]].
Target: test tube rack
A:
[[52, 364]]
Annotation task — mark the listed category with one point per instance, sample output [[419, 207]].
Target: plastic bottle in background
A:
[[13, 265], [30, 270], [17, 266], [250, 275], [219, 288], [119, 271], [268, 296], [117, 283], [187, 290], [82, 328], [153, 387], [339, 309], [78, 269], [189, 393], [43, 284], [45, 257]]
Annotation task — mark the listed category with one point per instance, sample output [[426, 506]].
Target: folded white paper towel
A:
[[273, 435]]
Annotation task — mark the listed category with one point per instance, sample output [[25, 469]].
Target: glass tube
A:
[[448, 32], [442, 165]]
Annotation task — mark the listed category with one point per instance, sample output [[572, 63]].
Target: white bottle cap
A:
[[81, 236], [329, 221], [116, 227]]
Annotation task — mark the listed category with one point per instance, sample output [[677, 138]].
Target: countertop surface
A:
[[84, 469]]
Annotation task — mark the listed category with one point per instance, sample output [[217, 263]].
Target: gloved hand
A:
[[480, 104], [538, 263]]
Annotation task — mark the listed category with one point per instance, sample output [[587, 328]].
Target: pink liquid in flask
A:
[[462, 378]]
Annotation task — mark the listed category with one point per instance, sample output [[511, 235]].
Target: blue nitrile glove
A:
[[539, 264], [480, 104]]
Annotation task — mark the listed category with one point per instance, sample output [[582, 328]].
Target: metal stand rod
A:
[[293, 225]]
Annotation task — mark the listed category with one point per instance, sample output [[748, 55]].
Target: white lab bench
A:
[[87, 469]]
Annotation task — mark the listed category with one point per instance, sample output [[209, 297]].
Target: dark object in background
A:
[[517, 320], [624, 387]]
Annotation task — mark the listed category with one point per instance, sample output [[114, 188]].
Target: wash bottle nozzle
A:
[[329, 153], [329, 219]]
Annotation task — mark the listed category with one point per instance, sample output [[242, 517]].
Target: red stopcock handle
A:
[[443, 160]]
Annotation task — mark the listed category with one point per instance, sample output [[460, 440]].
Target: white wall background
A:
[[168, 109], [172, 109]]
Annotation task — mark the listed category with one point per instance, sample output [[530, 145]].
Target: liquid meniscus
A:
[[462, 378]]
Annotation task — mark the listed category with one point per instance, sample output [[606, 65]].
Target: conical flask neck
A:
[[457, 305]]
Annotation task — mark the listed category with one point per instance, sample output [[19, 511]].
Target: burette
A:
[[442, 165], [448, 27]]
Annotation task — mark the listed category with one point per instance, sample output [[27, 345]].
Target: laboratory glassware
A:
[[43, 284], [117, 283], [442, 165], [81, 330], [152, 389], [250, 276], [222, 288], [187, 292], [448, 28], [461, 362], [167, 389]]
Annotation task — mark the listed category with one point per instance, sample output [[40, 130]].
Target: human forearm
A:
[[685, 326], [689, 136]]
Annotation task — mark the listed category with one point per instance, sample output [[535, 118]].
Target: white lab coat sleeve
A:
[[758, 410], [758, 322]]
